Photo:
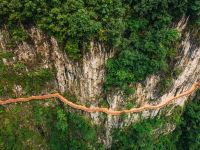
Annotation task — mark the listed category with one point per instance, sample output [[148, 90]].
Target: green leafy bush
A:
[[138, 136], [190, 126], [18, 34], [72, 49], [195, 11]]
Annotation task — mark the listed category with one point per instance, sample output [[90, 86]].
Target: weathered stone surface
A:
[[84, 78]]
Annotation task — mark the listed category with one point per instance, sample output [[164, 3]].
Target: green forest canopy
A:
[[142, 34], [139, 30]]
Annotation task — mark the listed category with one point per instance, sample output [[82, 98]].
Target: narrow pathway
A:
[[194, 87]]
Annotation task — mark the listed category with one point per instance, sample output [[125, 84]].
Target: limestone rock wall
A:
[[84, 78]]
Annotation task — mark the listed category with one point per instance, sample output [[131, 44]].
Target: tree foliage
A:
[[140, 31], [45, 128], [142, 135], [143, 37], [190, 126]]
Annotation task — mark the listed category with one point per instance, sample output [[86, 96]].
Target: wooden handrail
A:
[[194, 87]]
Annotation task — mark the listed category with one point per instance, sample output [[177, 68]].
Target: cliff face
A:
[[84, 79], [188, 62], [148, 92]]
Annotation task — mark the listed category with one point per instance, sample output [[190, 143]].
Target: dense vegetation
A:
[[142, 34], [144, 135], [38, 127], [190, 126], [140, 31], [47, 125]]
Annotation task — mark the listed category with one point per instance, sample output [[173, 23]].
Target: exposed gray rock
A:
[[84, 78]]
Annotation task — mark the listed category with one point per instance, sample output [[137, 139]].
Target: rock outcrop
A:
[[84, 78]]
